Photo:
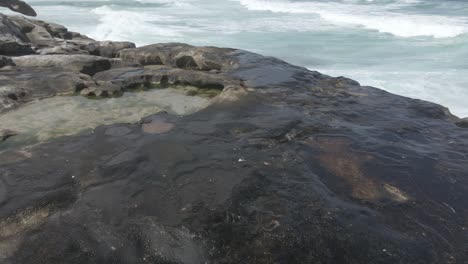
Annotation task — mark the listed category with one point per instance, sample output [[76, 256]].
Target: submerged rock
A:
[[282, 165]]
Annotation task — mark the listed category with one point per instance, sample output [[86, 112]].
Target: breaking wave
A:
[[370, 17]]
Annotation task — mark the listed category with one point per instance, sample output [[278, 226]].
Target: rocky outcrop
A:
[[181, 56], [18, 6], [22, 36], [285, 165], [59, 63], [21, 85]]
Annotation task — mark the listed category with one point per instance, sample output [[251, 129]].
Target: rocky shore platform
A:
[[272, 163]]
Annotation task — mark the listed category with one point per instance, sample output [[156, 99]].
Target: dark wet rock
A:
[[463, 123], [285, 165], [429, 109], [12, 40], [6, 61], [18, 6]]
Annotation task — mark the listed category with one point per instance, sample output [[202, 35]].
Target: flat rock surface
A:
[[285, 165]]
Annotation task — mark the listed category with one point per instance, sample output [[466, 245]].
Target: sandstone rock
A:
[[86, 64], [21, 85], [22, 36], [134, 76], [108, 48], [18, 6], [181, 56], [101, 89]]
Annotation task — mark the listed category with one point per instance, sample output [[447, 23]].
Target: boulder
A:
[[13, 41], [18, 6]]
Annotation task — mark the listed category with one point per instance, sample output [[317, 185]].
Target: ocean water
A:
[[415, 48]]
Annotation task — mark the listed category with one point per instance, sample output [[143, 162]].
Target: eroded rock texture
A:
[[285, 166]]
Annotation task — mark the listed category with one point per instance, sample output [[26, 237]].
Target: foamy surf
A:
[[369, 17], [127, 25]]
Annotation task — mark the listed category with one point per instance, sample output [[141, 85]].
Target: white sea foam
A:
[[370, 17], [131, 25]]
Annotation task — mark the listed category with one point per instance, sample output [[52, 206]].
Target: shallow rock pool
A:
[[57, 116]]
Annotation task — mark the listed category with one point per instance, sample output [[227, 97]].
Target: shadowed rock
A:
[[18, 6], [6, 61]]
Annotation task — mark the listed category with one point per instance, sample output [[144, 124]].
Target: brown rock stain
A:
[[337, 157], [157, 127], [13, 228]]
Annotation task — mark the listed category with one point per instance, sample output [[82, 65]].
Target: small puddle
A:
[[57, 116]]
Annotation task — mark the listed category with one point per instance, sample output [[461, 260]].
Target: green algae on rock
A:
[[43, 120]]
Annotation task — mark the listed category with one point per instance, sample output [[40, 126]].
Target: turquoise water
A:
[[416, 48]]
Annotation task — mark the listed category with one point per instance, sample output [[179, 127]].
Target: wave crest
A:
[[369, 17]]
